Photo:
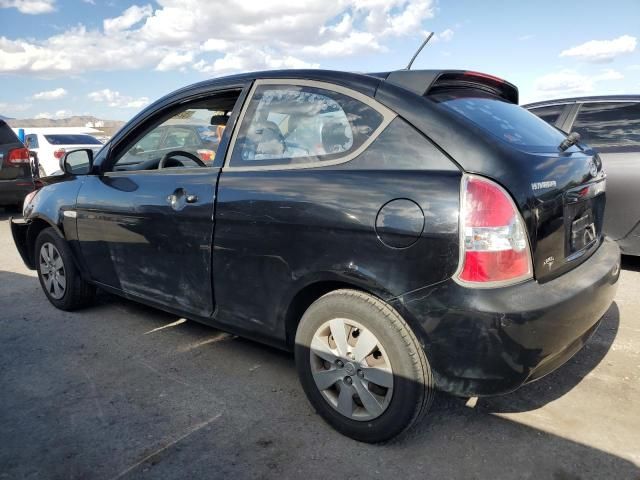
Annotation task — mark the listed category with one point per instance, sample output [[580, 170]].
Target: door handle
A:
[[179, 198]]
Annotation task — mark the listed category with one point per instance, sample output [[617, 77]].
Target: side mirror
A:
[[77, 162]]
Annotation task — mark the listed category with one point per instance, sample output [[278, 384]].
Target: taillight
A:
[[18, 156], [495, 249], [206, 155], [59, 153]]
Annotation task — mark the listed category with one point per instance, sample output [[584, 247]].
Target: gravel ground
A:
[[120, 390]]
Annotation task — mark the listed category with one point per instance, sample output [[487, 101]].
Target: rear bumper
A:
[[12, 192], [491, 341]]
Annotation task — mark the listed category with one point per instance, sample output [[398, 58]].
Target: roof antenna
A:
[[419, 50]]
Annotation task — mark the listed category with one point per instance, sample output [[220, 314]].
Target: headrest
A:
[[219, 120]]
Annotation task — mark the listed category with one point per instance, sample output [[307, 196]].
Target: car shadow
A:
[[631, 263], [131, 405], [7, 212]]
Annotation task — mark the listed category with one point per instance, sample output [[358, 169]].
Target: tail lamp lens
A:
[[495, 249], [18, 156], [59, 153]]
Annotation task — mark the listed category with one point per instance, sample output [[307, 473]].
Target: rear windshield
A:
[[72, 140], [6, 134], [507, 121]]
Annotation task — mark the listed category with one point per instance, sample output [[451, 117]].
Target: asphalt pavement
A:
[[120, 390]]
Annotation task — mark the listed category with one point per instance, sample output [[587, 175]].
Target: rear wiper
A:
[[571, 140]]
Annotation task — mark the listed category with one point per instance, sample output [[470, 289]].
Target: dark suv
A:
[[16, 175], [400, 232], [610, 125]]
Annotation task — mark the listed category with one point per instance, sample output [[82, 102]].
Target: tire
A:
[[405, 387], [68, 291]]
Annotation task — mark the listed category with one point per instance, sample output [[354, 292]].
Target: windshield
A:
[[71, 139], [507, 121]]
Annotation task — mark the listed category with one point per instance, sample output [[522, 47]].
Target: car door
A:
[[147, 231], [613, 129]]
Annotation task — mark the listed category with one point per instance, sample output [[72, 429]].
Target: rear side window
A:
[[62, 139], [295, 124], [549, 114], [507, 121], [609, 126]]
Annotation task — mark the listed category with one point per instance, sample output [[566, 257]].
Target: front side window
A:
[[294, 124], [188, 139], [609, 126]]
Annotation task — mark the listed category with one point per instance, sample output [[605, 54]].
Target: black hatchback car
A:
[[401, 232], [611, 125]]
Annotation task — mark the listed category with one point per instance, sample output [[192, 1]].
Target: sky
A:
[[111, 58]]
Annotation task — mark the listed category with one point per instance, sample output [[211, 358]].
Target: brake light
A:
[[18, 156], [495, 249], [59, 153], [206, 155], [484, 75]]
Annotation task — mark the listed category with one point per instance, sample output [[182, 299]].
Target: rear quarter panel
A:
[[279, 231]]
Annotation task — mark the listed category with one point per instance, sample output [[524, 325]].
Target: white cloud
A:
[[250, 59], [214, 45], [116, 99], [50, 94], [174, 60], [564, 82], [524, 38], [609, 74], [444, 36], [570, 82], [10, 109], [601, 51], [128, 19], [220, 36], [29, 7], [356, 42], [56, 115]]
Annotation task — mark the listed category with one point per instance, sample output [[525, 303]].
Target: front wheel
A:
[[362, 367], [58, 275]]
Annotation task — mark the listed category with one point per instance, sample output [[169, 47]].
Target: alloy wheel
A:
[[52, 270], [351, 369]]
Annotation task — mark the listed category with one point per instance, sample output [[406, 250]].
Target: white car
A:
[[51, 147]]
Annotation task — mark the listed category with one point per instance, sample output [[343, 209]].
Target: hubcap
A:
[[351, 369], [52, 270]]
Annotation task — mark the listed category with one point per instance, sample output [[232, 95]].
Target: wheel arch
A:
[[37, 225], [308, 292]]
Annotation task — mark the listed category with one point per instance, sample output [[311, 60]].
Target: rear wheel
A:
[[58, 275], [362, 367]]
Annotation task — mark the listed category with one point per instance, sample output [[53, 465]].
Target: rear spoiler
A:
[[430, 82]]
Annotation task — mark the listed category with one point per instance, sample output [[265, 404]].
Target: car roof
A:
[[593, 98]]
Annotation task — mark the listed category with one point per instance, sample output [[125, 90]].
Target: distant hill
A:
[[109, 127], [2, 117]]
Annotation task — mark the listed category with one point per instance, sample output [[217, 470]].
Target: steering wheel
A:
[[176, 153]]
